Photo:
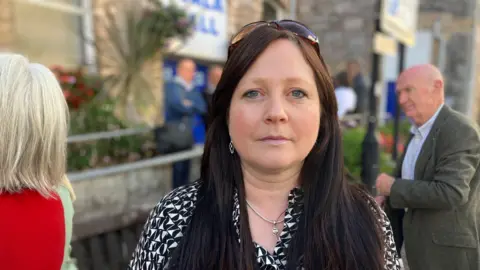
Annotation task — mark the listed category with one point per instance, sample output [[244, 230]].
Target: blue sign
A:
[[209, 40], [392, 100], [205, 23], [393, 7], [200, 82]]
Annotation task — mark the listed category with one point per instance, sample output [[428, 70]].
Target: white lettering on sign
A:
[[209, 40]]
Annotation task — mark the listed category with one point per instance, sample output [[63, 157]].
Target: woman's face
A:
[[274, 114]]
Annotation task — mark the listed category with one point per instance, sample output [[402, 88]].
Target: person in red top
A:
[[33, 133], [32, 231]]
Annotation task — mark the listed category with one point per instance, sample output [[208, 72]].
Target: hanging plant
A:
[[130, 35]]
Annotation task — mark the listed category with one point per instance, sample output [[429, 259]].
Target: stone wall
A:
[[459, 8], [114, 201], [344, 28], [242, 12]]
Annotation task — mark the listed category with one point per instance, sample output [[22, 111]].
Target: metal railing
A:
[[107, 134], [195, 152]]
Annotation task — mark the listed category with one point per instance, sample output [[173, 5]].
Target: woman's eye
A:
[[298, 93], [251, 94]]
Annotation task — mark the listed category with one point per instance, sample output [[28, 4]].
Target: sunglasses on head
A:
[[295, 27]]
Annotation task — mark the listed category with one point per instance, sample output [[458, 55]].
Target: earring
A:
[[231, 148]]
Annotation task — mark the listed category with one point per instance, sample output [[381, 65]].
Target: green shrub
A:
[[352, 149]]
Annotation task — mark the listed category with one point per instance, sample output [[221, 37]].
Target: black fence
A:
[[110, 250]]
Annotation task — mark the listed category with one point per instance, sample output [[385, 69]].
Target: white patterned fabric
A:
[[168, 220]]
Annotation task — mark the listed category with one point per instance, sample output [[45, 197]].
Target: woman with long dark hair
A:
[[272, 193]]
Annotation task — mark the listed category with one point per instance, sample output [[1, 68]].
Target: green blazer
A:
[[68, 262], [441, 227]]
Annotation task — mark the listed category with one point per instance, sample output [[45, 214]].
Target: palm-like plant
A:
[[130, 34]]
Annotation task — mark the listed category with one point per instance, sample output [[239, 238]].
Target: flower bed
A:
[[90, 113]]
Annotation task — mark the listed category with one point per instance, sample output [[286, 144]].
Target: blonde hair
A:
[[33, 127]]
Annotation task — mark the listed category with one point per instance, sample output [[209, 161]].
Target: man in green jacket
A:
[[433, 200]]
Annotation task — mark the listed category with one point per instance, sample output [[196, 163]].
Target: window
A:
[[55, 32]]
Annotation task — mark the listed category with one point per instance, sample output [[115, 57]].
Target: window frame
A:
[[84, 10]]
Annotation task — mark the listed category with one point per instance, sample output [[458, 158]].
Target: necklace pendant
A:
[[275, 231]]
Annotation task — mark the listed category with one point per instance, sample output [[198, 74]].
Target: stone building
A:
[[344, 29]]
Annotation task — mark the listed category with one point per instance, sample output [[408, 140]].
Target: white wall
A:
[[420, 53]]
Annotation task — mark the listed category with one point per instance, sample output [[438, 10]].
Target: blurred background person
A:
[[182, 102], [433, 199], [214, 74], [345, 95], [33, 133], [357, 82]]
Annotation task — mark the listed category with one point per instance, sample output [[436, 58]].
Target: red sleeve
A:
[[32, 231]]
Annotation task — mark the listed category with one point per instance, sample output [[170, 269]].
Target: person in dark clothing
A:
[[357, 82], [182, 102], [214, 74]]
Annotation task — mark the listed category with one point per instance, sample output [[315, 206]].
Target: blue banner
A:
[[392, 100]]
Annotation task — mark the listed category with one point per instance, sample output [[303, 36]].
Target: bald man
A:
[[433, 199]]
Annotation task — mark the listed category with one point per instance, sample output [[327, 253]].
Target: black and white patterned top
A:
[[168, 220]]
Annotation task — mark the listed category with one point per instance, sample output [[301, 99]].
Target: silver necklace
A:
[[275, 230]]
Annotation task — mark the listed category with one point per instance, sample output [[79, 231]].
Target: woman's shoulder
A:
[[180, 196], [165, 227], [177, 206], [31, 202], [29, 196]]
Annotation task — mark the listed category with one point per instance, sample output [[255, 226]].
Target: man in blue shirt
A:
[[182, 103]]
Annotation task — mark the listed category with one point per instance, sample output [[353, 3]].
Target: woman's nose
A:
[[275, 110]]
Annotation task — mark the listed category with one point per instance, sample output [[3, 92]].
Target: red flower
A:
[[64, 78]]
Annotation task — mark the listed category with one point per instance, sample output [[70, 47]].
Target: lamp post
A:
[[396, 123], [398, 20], [370, 151]]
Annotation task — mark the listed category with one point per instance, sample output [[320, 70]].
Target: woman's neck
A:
[[269, 191]]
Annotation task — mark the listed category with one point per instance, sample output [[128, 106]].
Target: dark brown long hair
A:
[[337, 230]]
